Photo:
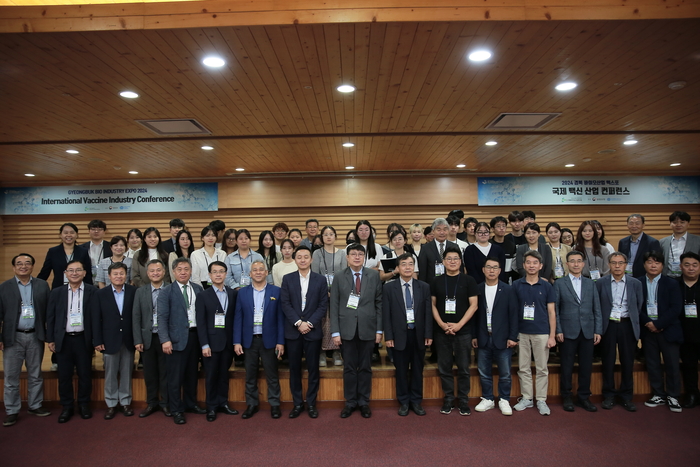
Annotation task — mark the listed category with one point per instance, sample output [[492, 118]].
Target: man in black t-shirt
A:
[[454, 302]]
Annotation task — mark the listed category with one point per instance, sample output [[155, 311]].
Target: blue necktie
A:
[[409, 304]]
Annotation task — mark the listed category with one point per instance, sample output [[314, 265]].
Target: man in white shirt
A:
[[680, 242]]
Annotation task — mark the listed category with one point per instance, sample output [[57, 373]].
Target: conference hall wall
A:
[[256, 204]]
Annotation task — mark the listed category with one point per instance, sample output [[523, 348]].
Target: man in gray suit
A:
[[579, 327], [23, 301], [621, 301], [145, 329], [680, 242], [356, 324]]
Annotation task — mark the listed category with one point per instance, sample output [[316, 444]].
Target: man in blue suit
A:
[[620, 303], [662, 333], [177, 331], [579, 327], [258, 333], [636, 244], [304, 300]]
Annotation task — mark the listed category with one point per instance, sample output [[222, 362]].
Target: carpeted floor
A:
[[650, 437]]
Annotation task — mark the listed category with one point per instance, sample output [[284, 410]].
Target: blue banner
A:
[[533, 191], [157, 197]]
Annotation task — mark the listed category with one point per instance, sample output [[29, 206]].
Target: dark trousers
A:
[[296, 348], [618, 336], [253, 356], [690, 353], [74, 354], [357, 371], [454, 350], [154, 373], [409, 370], [217, 378], [654, 347], [568, 351], [181, 368]]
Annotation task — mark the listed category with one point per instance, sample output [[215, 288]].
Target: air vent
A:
[[521, 121], [174, 127]]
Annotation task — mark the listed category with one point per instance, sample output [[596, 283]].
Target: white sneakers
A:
[[523, 404], [487, 404], [504, 405], [543, 408]]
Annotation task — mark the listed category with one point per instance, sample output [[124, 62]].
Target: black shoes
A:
[[128, 411], [418, 409], [691, 401], [347, 411], [166, 411], [250, 411], [365, 411], [211, 415], [196, 409], [275, 411], [586, 405], [65, 415], [179, 418], [313, 413], [85, 412], [227, 410], [608, 403], [403, 410], [110, 413], [40, 412], [568, 404], [296, 411], [628, 406], [149, 410]]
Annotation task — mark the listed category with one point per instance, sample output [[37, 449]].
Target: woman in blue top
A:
[[239, 262]]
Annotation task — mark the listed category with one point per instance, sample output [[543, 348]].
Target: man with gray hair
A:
[[430, 258]]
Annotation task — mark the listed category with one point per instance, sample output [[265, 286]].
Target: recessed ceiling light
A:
[[346, 88], [586, 159], [675, 164], [240, 169], [479, 55], [207, 148], [29, 175], [349, 167], [348, 145], [129, 94], [570, 165], [72, 151], [568, 86], [461, 166], [133, 172], [676, 85], [490, 143], [214, 62], [630, 142]]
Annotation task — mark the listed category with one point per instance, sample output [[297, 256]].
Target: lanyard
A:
[[72, 299], [685, 293], [454, 296], [325, 265], [624, 291]]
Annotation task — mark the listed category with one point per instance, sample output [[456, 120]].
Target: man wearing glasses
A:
[[98, 247]]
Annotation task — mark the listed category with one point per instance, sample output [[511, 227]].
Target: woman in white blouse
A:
[[397, 242], [559, 251], [184, 247], [373, 250], [152, 249], [134, 241], [416, 234], [202, 258]]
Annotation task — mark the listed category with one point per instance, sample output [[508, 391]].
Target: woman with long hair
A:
[[415, 233], [595, 256], [559, 251], [118, 247], [286, 265], [58, 257], [134, 240], [228, 243], [601, 237], [266, 249], [184, 247], [296, 237], [152, 249], [203, 257], [567, 237], [397, 240], [373, 250]]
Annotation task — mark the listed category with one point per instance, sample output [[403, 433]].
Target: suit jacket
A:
[[11, 307], [139, 272], [143, 316], [316, 305], [394, 313], [633, 294], [273, 318], [367, 318], [574, 316], [57, 315], [692, 243], [429, 254], [504, 317], [647, 243], [546, 252], [207, 306], [168, 245], [106, 249], [474, 261], [173, 325], [108, 326], [56, 262], [669, 302]]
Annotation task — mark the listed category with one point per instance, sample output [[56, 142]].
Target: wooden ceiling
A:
[[420, 105]]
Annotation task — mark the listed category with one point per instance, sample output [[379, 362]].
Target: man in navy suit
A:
[[69, 336], [636, 244], [662, 333], [496, 333], [258, 333], [407, 316], [304, 301], [97, 247], [177, 331], [112, 334], [620, 304], [176, 225], [215, 308]]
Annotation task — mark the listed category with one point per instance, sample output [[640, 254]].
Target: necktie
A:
[[185, 296], [156, 292], [442, 249], [409, 303], [357, 282]]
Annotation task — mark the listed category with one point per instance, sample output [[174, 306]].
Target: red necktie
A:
[[357, 283]]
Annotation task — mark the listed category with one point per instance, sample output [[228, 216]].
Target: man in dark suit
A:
[[662, 333], [146, 341], [23, 301], [680, 242], [112, 334], [176, 225], [407, 317], [356, 325], [304, 301], [98, 248], [620, 304], [690, 349], [579, 327], [177, 331], [430, 257], [69, 336], [215, 308], [636, 245], [495, 335], [258, 332]]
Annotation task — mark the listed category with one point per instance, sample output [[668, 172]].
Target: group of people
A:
[[452, 286]]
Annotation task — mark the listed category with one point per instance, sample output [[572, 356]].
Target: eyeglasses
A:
[[97, 229], [451, 259], [74, 271], [483, 232], [575, 261], [356, 254], [492, 268], [618, 263]]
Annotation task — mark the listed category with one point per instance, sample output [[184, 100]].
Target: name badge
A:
[[191, 318], [691, 311], [489, 315], [65, 279], [245, 280], [353, 301], [450, 306], [439, 269], [329, 279], [652, 311], [628, 269], [257, 317], [595, 274], [410, 318], [675, 268], [27, 312], [220, 320], [616, 313], [94, 271], [529, 313], [75, 319], [155, 319], [559, 272]]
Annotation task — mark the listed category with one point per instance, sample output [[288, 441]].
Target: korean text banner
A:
[[160, 197], [530, 191]]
